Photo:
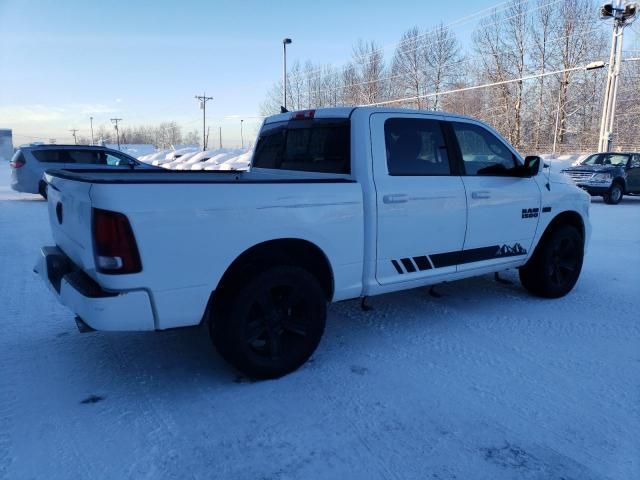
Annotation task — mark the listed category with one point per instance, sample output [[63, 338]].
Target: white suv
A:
[[30, 162]]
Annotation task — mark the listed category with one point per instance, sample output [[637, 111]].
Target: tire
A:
[[555, 266], [614, 195], [271, 324], [42, 189]]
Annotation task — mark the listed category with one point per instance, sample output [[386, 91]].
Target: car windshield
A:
[[606, 159]]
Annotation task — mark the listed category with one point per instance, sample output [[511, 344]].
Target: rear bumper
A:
[[100, 309]]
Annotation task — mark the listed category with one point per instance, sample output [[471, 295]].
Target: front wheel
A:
[[555, 266], [614, 195], [272, 323]]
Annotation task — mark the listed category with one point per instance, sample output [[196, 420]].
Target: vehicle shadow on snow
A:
[[185, 357], [626, 200]]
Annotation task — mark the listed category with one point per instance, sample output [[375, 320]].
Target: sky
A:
[[64, 61]]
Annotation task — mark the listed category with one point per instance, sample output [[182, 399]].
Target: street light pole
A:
[[91, 120], [285, 42], [623, 14], [241, 137]]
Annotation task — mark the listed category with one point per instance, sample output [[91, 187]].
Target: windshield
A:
[[606, 159]]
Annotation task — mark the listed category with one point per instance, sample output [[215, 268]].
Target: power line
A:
[[345, 86], [476, 87], [468, 18]]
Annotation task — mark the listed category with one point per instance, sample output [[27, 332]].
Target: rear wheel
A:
[[555, 266], [271, 324], [614, 195]]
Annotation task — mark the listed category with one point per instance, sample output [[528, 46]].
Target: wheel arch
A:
[[282, 251], [568, 217], [622, 181]]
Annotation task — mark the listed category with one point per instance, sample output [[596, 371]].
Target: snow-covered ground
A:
[[486, 382]]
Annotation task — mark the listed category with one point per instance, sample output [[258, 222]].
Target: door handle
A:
[[395, 198], [480, 194]]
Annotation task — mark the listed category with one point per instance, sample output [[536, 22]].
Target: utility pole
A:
[[220, 135], [206, 144], [115, 123], [285, 42], [203, 105], [241, 137], [623, 13], [73, 132], [91, 120]]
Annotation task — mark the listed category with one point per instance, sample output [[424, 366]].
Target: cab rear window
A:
[[319, 145]]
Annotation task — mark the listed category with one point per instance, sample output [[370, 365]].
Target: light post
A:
[[241, 137], [623, 14], [285, 42], [91, 120]]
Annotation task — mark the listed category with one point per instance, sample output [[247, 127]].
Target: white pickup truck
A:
[[339, 203]]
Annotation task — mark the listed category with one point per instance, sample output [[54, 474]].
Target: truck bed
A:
[[104, 176]]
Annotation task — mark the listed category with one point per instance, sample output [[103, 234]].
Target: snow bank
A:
[[193, 159], [560, 162]]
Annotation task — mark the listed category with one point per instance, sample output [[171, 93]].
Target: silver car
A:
[[30, 162]]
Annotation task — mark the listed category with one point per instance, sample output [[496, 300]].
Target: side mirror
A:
[[531, 166]]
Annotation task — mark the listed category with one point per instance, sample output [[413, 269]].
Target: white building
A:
[[6, 144]]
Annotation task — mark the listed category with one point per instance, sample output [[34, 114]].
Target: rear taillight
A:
[[17, 163], [114, 245]]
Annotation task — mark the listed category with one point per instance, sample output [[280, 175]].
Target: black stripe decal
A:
[[422, 263], [446, 259], [450, 259], [479, 254], [397, 265], [408, 264]]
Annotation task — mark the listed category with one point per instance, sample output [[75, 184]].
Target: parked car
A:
[[339, 203], [610, 175], [31, 161]]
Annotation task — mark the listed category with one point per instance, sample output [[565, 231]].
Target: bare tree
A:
[[408, 66], [369, 64], [443, 60], [545, 26]]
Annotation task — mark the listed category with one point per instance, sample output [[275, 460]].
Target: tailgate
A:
[[70, 219]]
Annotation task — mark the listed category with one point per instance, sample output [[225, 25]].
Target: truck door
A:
[[503, 209], [420, 198], [633, 174]]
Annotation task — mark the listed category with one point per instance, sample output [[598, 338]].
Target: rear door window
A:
[[415, 147], [320, 145], [86, 157], [50, 156]]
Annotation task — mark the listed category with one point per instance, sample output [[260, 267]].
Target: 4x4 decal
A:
[[449, 259]]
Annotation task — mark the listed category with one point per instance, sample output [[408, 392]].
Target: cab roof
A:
[[346, 112]]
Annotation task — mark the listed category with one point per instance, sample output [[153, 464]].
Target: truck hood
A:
[[557, 177], [592, 168]]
